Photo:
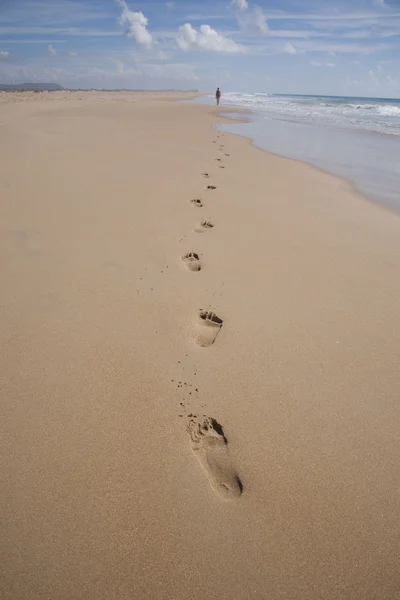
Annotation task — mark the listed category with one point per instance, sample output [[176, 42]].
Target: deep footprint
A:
[[192, 261], [196, 202], [211, 448], [206, 175], [211, 187], [209, 326]]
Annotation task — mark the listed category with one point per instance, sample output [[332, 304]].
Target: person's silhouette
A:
[[218, 96]]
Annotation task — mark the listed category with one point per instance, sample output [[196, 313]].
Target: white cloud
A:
[[51, 50], [101, 71], [250, 18], [300, 33], [255, 20], [135, 24], [151, 71], [4, 53], [393, 83], [324, 45], [289, 49], [316, 63], [239, 4], [72, 53], [353, 82], [206, 38]]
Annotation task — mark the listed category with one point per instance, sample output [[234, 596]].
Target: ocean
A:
[[355, 138]]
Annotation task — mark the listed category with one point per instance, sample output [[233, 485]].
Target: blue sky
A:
[[339, 47]]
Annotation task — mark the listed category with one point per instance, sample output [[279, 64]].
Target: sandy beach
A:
[[199, 362]]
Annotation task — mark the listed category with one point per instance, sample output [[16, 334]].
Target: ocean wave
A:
[[354, 113], [389, 111], [359, 106]]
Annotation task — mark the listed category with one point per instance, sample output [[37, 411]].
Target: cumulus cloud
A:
[[51, 50], [135, 24], [4, 53], [289, 49], [72, 53], [206, 38], [250, 18]]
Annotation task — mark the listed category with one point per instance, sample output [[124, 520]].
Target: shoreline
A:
[[199, 368], [351, 185], [332, 142]]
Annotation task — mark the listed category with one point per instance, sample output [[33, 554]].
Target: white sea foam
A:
[[381, 115], [389, 111]]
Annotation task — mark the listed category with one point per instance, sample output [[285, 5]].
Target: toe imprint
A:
[[211, 448], [196, 202], [207, 329], [192, 261]]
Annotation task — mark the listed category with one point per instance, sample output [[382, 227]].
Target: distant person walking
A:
[[218, 96]]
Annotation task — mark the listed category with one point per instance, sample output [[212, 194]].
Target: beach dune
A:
[[197, 401]]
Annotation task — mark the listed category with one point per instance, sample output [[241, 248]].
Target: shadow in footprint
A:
[[211, 448], [196, 202], [206, 175], [211, 187], [192, 261], [208, 327], [206, 224]]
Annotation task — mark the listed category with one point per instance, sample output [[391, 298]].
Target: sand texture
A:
[[199, 369]]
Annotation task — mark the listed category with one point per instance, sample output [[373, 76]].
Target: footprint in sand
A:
[[211, 448], [192, 261], [203, 226], [206, 175], [227, 154], [196, 202], [208, 327], [211, 187], [218, 159]]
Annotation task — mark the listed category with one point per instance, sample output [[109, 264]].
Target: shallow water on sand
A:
[[370, 160]]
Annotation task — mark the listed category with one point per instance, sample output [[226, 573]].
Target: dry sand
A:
[[153, 451]]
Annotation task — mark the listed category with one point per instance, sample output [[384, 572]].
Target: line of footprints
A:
[[207, 436]]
